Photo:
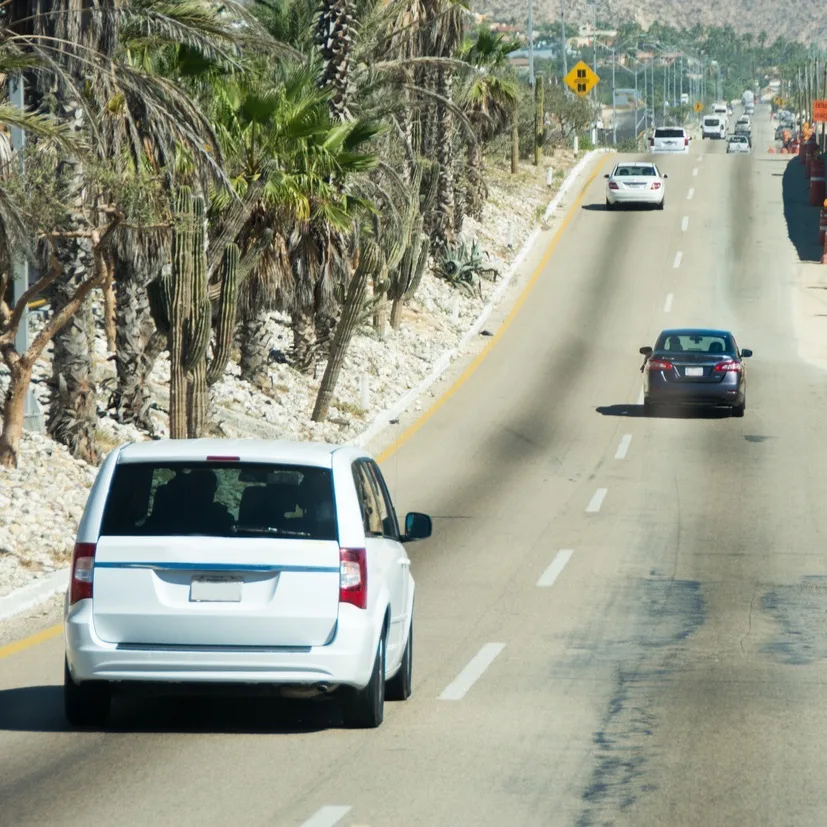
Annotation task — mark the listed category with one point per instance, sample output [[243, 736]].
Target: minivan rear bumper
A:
[[348, 659]]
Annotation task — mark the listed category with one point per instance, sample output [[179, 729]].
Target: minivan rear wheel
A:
[[365, 708], [85, 704], [399, 687]]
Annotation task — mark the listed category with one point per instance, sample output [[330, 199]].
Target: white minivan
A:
[[669, 140], [246, 563], [713, 126]]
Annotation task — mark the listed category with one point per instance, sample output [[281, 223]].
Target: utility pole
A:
[[32, 415], [530, 44], [563, 36], [614, 102]]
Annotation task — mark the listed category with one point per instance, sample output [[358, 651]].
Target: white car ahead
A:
[[245, 562], [669, 140], [636, 183], [737, 144]]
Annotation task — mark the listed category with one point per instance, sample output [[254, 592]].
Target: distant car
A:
[[738, 144], [695, 367], [743, 123], [636, 183], [713, 126], [251, 563], [669, 140], [781, 129]]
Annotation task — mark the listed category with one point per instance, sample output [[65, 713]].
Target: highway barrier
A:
[[822, 224]]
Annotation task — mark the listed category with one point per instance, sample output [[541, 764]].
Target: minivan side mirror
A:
[[646, 351], [745, 354], [417, 527]]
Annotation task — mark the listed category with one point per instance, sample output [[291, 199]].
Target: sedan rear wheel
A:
[[662, 204], [365, 708], [648, 408], [738, 410], [609, 205]]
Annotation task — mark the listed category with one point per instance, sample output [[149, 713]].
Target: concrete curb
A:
[[34, 594], [41, 590]]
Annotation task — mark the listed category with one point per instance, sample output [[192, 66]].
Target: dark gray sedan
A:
[[695, 367]]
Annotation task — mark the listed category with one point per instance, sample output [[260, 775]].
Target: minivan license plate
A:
[[215, 589], [694, 372]]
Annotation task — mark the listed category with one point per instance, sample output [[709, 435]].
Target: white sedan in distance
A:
[[245, 564], [636, 183], [737, 144]]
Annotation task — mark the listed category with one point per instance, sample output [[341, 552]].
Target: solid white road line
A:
[[327, 816], [623, 448], [685, 223], [472, 673], [678, 257], [557, 565], [695, 172], [667, 306], [596, 501], [640, 397], [690, 193]]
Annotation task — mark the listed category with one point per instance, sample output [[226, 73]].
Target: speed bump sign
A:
[[698, 107], [581, 79]]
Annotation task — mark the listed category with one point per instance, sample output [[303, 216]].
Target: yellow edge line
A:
[[33, 640], [479, 358], [53, 631]]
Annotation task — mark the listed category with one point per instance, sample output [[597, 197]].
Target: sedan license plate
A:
[[693, 372], [215, 589]]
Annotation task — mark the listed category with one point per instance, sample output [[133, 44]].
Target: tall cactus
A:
[[181, 306], [539, 119]]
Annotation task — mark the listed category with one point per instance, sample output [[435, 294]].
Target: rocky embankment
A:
[[41, 501]]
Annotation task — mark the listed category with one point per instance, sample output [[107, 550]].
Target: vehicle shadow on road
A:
[[40, 709], [802, 219], [664, 412], [623, 208]]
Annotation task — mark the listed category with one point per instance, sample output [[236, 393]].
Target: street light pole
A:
[[32, 416], [563, 36], [530, 44], [614, 102]]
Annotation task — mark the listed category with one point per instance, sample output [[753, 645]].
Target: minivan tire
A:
[[365, 708], [400, 686], [85, 704]]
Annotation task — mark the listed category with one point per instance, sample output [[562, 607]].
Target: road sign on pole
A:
[[581, 79], [820, 111], [698, 107]]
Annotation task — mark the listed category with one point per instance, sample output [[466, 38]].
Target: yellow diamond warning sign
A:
[[581, 79]]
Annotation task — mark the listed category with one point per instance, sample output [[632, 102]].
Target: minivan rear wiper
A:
[[270, 531]]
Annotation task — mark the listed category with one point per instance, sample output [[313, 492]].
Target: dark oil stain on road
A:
[[800, 614], [666, 613]]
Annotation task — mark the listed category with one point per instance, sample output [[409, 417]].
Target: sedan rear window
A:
[[696, 343], [669, 133], [220, 500], [647, 172]]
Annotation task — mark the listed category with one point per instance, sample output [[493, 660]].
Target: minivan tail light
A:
[[83, 569], [659, 364], [728, 367], [686, 141], [353, 577]]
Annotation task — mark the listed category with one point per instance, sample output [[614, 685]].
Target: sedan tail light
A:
[[655, 185], [686, 141], [728, 367], [353, 577], [613, 185], [651, 141], [83, 569], [659, 364]]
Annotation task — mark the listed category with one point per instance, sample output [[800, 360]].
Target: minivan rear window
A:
[[711, 122], [669, 133], [220, 499]]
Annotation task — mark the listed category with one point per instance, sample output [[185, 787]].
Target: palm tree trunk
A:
[[73, 410], [136, 350], [515, 143], [304, 356], [255, 350], [381, 313], [476, 181], [110, 311], [445, 156], [14, 408]]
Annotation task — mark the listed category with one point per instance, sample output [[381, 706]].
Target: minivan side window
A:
[[390, 525], [368, 503]]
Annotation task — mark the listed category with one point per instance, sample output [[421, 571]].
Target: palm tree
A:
[[488, 100]]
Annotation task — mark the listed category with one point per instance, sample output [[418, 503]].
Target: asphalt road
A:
[[641, 601]]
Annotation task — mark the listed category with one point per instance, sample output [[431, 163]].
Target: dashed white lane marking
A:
[[700, 159], [472, 673], [695, 172], [557, 565], [678, 257], [690, 193], [640, 397], [596, 501], [685, 223], [327, 816], [667, 305], [623, 448]]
